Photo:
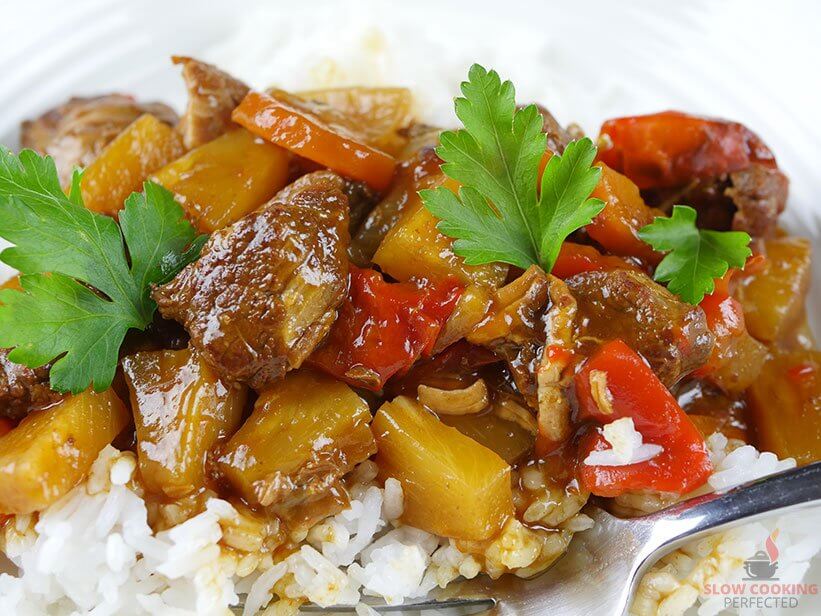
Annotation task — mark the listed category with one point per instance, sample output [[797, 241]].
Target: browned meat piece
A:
[[361, 200], [22, 389], [760, 195], [749, 200], [265, 290], [212, 96], [76, 132], [557, 136], [531, 326], [671, 335], [515, 328]]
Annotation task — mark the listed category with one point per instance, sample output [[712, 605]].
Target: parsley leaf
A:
[[696, 256], [499, 215], [85, 280]]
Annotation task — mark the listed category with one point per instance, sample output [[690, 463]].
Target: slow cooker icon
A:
[[760, 567]]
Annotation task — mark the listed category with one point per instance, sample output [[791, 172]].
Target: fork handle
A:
[[793, 489]]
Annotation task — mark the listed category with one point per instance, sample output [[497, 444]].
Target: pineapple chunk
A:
[[181, 409], [305, 432], [453, 486], [52, 450], [415, 248], [507, 438], [773, 299], [220, 182], [143, 147], [785, 406]]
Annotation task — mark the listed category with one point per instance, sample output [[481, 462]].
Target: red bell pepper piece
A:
[[577, 258], [671, 148], [383, 328], [636, 392], [725, 318]]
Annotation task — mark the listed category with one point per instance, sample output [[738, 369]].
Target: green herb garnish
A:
[[499, 215], [696, 256], [86, 280]]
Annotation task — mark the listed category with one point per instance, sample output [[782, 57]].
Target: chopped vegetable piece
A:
[[415, 249], [301, 127], [708, 424], [785, 406], [140, 150], [12, 283], [305, 432], [506, 438], [616, 382], [383, 328], [696, 256], [577, 258], [499, 214], [52, 450], [181, 409], [220, 182], [773, 299], [736, 358], [472, 308], [452, 485], [378, 114], [420, 170], [671, 148], [617, 226], [67, 254]]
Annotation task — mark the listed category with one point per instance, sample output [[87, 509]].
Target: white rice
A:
[[678, 583], [93, 553], [626, 446]]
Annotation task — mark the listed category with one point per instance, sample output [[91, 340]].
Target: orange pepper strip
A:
[[617, 226], [295, 125]]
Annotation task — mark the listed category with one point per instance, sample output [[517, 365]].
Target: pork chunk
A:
[[750, 200], [75, 132], [212, 96], [557, 136], [22, 389], [265, 290], [671, 335], [759, 194]]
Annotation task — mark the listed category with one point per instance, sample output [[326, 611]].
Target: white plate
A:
[[753, 61]]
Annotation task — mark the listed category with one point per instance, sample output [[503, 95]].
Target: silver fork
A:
[[600, 572]]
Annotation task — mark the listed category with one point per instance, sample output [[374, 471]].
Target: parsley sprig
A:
[[695, 257], [85, 279], [499, 215]]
